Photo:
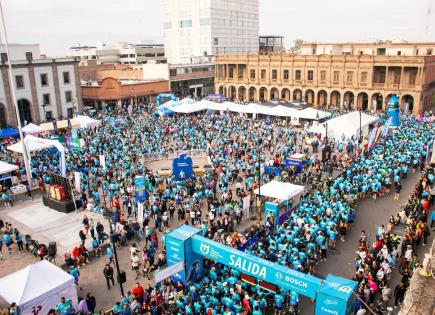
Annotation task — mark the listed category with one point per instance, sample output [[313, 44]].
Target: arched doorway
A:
[[285, 94], [322, 98], [297, 95], [362, 101], [263, 94], [233, 92], [2, 116], [242, 93], [348, 100], [407, 104], [335, 99], [222, 90], [252, 94], [24, 109], [309, 97], [274, 94], [377, 101]]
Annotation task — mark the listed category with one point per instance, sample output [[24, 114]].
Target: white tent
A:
[[86, 122], [347, 125], [40, 285], [31, 147], [313, 114], [280, 190], [7, 168], [37, 144], [32, 129]]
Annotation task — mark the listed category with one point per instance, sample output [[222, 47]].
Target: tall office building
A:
[[194, 29]]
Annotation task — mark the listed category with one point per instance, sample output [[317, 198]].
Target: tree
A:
[[296, 45]]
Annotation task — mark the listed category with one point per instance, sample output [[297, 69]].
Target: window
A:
[[364, 77], [68, 96], [173, 72], [204, 22], [160, 54], [412, 77], [286, 75], [429, 52], [48, 115], [349, 76], [131, 55], [298, 75], [167, 25], [274, 74], [381, 51], [66, 78], [44, 79], [231, 72], [336, 76], [46, 99], [322, 75], [70, 112], [19, 81], [185, 23], [399, 53], [252, 73], [310, 75], [263, 74], [149, 55]]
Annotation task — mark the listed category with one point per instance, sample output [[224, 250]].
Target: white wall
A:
[[66, 87], [155, 71], [41, 90], [18, 51]]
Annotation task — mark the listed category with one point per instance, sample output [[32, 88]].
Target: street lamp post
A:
[[107, 214], [360, 125], [45, 112], [259, 176]]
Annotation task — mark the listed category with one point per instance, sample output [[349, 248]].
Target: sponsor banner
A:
[[254, 266], [139, 186], [163, 274]]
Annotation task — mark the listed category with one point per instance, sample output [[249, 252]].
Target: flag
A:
[[372, 137], [387, 127]]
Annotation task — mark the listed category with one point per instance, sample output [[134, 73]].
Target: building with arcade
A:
[[358, 81]]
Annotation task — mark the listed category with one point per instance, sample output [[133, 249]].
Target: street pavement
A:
[[370, 214]]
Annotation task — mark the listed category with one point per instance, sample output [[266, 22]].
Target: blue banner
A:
[[182, 167], [336, 296], [257, 267], [139, 187], [387, 127]]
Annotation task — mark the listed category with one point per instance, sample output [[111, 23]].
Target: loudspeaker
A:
[[122, 277], [52, 249]]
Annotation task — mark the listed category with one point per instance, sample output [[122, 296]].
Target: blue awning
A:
[[9, 132]]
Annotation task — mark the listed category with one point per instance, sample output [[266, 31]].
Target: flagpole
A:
[[14, 100]]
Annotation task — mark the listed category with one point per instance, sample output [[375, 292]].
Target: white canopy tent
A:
[[6, 168], [347, 125], [34, 144], [280, 190], [313, 114], [40, 285], [86, 122], [32, 129]]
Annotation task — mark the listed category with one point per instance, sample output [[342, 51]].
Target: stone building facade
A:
[[353, 81]]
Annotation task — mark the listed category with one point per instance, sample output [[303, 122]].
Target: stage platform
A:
[[46, 225], [61, 206]]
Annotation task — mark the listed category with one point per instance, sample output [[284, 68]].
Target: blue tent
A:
[[9, 132]]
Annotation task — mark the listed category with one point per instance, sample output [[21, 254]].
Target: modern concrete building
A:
[[194, 80], [356, 81], [124, 53], [46, 88], [195, 28]]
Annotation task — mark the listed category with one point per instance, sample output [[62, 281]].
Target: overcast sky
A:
[[59, 24]]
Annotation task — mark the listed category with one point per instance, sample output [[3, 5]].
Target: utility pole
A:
[[14, 100]]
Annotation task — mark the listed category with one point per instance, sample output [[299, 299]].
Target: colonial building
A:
[[114, 84], [46, 88], [356, 81]]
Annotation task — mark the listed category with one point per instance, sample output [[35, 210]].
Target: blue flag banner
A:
[[387, 127], [139, 187]]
